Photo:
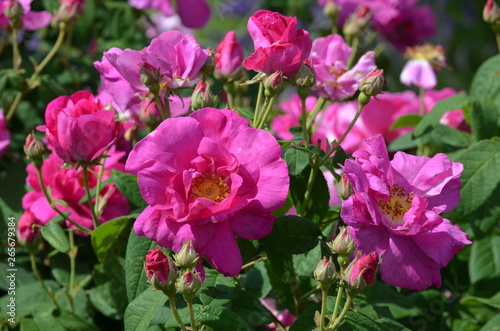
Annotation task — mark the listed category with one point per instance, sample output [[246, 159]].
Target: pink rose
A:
[[207, 178], [334, 80], [78, 128], [279, 46], [395, 212], [228, 55], [160, 269], [66, 184], [27, 231], [4, 134]]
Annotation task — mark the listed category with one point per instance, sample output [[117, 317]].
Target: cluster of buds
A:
[[163, 273]]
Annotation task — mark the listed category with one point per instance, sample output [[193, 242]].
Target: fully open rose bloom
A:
[[78, 128], [279, 46], [395, 209], [207, 178], [66, 185]]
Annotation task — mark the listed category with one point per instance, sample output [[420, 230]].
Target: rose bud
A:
[[360, 273], [161, 270]]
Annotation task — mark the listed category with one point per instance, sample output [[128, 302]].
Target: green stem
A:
[[40, 279], [173, 308], [160, 107], [310, 186], [354, 47], [191, 315], [72, 253], [257, 105], [98, 186], [52, 203], [319, 105], [16, 57], [85, 171], [268, 103], [304, 121], [421, 95], [38, 71], [324, 297], [336, 323], [497, 37], [340, 294]]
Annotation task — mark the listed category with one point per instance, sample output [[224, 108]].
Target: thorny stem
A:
[[52, 203], [173, 308], [38, 71], [336, 323], [340, 294], [191, 314], [40, 279], [95, 220]]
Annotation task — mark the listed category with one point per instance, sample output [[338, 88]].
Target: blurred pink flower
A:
[[66, 184], [193, 13], [207, 178], [26, 228], [78, 128], [285, 317], [419, 73], [4, 134], [279, 45], [334, 80], [395, 212], [31, 20], [228, 55], [292, 108], [455, 118]]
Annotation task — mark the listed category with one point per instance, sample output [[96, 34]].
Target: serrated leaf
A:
[[480, 176], [256, 280], [141, 311], [136, 280], [484, 265], [486, 81], [430, 120], [483, 119], [55, 236], [405, 121], [296, 158], [106, 235], [317, 206], [221, 319], [456, 138], [359, 322], [127, 185], [492, 325], [402, 143]]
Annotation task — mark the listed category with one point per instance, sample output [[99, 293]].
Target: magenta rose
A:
[[66, 184], [78, 128], [160, 269], [279, 46], [228, 55], [395, 212], [208, 178], [27, 231]]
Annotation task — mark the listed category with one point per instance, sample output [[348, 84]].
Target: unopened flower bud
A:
[[202, 96], [34, 149], [344, 188], [325, 272], [150, 77], [274, 83], [305, 77], [27, 229], [343, 243], [187, 256], [358, 21], [332, 10], [373, 83], [491, 13], [189, 284], [360, 273], [14, 12], [209, 65], [161, 270]]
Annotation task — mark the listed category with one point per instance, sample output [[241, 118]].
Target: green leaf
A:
[[456, 138], [278, 268], [247, 305], [135, 276], [359, 322], [55, 236], [257, 281], [486, 82], [296, 158], [293, 235], [480, 176], [102, 299], [143, 309], [127, 185], [318, 204], [483, 119], [216, 290], [221, 319], [107, 235], [492, 325], [405, 121], [402, 143], [432, 118], [484, 266], [494, 301], [85, 198]]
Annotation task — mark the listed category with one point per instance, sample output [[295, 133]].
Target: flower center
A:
[[434, 54], [211, 186], [398, 204]]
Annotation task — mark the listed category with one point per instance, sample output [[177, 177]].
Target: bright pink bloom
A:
[[334, 80], [26, 228], [395, 209], [228, 55], [4, 134], [279, 46], [281, 124], [67, 185], [193, 13], [176, 58], [207, 178], [419, 73], [32, 20], [78, 128], [285, 317]]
